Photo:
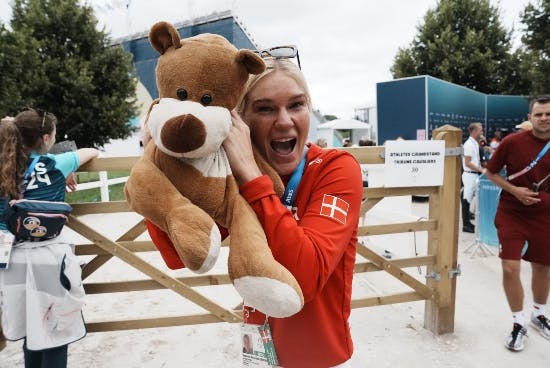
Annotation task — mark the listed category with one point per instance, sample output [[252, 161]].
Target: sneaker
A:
[[542, 326], [514, 342]]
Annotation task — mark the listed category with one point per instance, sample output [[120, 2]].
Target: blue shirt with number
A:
[[47, 180]]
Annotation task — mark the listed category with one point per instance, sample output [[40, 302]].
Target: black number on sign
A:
[[414, 169]]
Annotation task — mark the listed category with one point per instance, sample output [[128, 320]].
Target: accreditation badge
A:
[[258, 347]]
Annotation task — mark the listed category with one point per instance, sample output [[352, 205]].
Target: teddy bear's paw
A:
[[270, 296], [213, 251], [199, 252]]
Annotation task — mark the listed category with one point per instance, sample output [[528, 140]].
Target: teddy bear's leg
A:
[[188, 226], [262, 282]]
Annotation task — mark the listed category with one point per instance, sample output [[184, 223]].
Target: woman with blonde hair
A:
[[312, 230]]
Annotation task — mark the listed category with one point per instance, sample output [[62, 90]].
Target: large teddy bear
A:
[[183, 183]]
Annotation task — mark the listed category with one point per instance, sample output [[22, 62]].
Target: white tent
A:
[[358, 129], [344, 124]]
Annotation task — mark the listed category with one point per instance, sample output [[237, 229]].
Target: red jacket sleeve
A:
[[311, 241]]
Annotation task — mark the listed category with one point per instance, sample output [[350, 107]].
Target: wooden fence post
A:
[[443, 243]]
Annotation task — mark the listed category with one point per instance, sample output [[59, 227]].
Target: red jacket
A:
[[317, 244]]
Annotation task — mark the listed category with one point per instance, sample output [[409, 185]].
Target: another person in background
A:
[[471, 164], [495, 141], [526, 125], [347, 143], [363, 142], [484, 151], [523, 218], [316, 240], [23, 140], [321, 142]]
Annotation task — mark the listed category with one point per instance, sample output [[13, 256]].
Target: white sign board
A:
[[414, 163]]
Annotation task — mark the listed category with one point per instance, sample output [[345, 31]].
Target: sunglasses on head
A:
[[281, 52]]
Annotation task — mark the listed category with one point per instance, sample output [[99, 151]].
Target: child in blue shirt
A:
[[35, 267]]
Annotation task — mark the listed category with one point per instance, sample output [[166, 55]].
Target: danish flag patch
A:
[[335, 208]]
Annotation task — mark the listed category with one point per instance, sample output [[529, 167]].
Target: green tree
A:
[[56, 59], [10, 60], [463, 42], [535, 63]]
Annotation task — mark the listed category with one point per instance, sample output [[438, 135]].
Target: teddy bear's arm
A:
[[194, 234], [149, 192]]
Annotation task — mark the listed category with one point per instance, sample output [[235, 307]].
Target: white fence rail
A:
[[103, 185]]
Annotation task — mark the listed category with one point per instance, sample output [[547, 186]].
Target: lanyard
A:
[[290, 191], [532, 164]]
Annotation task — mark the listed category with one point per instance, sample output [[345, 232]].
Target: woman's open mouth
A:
[[283, 147]]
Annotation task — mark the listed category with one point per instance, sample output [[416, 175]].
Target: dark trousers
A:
[[466, 213], [48, 358]]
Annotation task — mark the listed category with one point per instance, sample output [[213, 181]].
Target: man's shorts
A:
[[515, 227]]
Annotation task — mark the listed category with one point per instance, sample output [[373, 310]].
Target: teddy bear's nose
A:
[[183, 133]]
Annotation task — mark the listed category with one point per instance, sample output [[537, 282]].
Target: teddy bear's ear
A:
[[163, 35], [251, 61], [145, 134]]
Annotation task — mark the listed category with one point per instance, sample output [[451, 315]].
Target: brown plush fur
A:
[[170, 186]]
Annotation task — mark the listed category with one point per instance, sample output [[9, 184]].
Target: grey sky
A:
[[345, 46]]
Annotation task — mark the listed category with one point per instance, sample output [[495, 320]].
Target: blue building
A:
[[413, 107]]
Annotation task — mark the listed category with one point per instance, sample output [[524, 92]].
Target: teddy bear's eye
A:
[[182, 94], [206, 99]]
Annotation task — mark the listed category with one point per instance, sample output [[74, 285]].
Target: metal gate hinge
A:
[[434, 275], [454, 151], [455, 271]]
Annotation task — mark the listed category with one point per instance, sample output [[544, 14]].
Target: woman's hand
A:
[[238, 147]]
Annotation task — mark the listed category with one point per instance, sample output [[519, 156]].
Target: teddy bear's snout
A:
[[183, 133]]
